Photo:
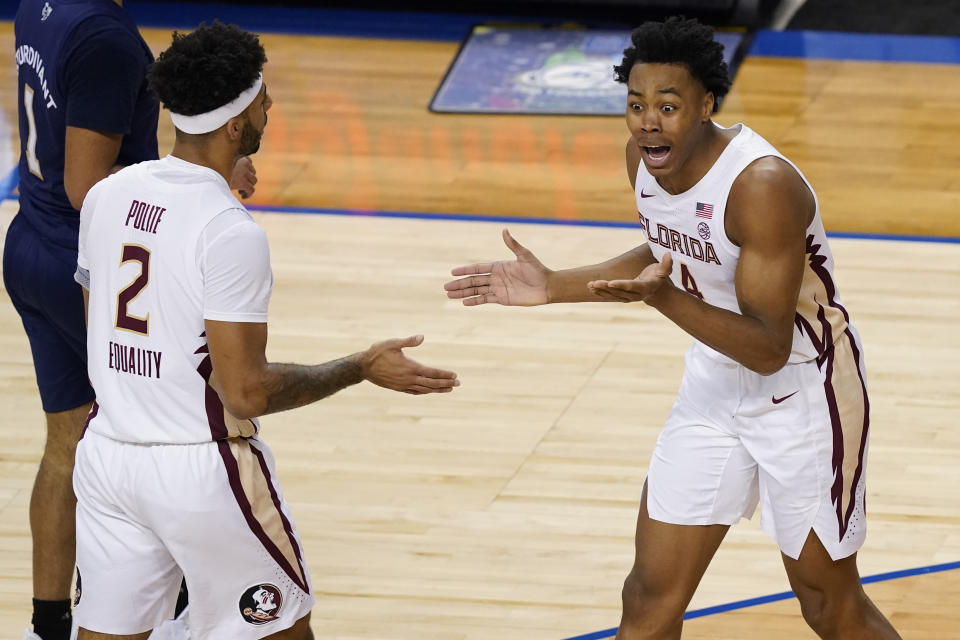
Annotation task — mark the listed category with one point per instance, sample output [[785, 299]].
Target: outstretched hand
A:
[[244, 177], [520, 282], [385, 365], [651, 280]]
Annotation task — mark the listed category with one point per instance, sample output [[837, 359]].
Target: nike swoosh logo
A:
[[646, 195], [777, 400]]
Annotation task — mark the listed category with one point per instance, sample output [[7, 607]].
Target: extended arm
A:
[[250, 386], [527, 282], [570, 285]]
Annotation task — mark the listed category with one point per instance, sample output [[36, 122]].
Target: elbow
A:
[[245, 403], [772, 361]]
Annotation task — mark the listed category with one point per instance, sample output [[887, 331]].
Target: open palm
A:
[[521, 282]]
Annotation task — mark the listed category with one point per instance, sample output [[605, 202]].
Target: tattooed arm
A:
[[288, 386], [250, 386]]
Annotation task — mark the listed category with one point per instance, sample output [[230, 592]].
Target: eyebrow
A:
[[667, 90]]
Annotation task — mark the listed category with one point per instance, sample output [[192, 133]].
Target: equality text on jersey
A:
[[134, 360]]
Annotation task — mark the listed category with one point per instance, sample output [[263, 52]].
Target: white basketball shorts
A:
[[210, 512], [794, 441]]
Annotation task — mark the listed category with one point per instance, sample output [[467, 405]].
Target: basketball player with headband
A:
[[172, 477]]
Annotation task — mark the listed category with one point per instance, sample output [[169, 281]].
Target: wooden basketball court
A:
[[506, 509]]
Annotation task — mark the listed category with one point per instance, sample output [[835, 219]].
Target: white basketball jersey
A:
[[165, 244], [690, 226]]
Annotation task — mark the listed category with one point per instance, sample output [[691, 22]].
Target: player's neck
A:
[[119, 2], [211, 156], [710, 144]]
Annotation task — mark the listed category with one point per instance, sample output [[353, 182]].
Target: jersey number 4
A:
[[688, 282], [133, 253]]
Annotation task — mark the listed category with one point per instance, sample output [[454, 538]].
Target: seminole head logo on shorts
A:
[[261, 604]]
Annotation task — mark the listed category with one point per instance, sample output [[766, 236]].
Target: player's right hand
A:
[[385, 365], [521, 282]]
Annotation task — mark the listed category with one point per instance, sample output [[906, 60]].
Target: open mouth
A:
[[656, 157], [657, 153]]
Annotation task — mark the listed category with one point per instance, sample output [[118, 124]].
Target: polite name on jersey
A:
[[145, 217]]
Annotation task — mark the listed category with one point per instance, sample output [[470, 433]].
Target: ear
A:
[[235, 128], [708, 103]]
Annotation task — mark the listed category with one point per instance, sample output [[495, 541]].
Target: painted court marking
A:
[[784, 595], [9, 184]]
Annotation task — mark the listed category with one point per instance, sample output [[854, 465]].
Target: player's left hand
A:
[[651, 280], [386, 365], [244, 177]]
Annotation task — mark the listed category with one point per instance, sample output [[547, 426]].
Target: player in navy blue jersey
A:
[[84, 112]]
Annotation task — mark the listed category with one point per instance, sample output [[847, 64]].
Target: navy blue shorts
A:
[[38, 277]]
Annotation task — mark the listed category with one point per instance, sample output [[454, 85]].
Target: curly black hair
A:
[[683, 41], [206, 68]]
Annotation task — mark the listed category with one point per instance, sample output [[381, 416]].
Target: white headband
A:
[[213, 120]]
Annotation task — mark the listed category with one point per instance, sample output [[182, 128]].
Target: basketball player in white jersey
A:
[[171, 477], [773, 405]]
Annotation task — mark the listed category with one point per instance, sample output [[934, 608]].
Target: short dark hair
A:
[[683, 41], [206, 68]]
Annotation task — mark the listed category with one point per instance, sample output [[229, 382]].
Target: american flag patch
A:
[[704, 210]]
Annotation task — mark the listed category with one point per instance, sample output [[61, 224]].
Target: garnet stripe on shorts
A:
[[253, 489], [849, 407], [288, 529], [844, 385], [863, 428]]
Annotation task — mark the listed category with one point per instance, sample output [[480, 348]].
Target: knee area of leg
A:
[[815, 607], [649, 597]]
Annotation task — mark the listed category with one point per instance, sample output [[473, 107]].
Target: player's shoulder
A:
[[235, 219], [237, 229], [769, 196], [763, 167], [105, 35], [108, 28], [771, 176]]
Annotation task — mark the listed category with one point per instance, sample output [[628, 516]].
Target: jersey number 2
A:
[[688, 282], [133, 253]]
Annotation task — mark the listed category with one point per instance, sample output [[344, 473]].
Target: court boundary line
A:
[[467, 217], [9, 184], [783, 595]]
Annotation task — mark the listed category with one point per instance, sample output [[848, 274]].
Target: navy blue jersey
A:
[[81, 63]]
